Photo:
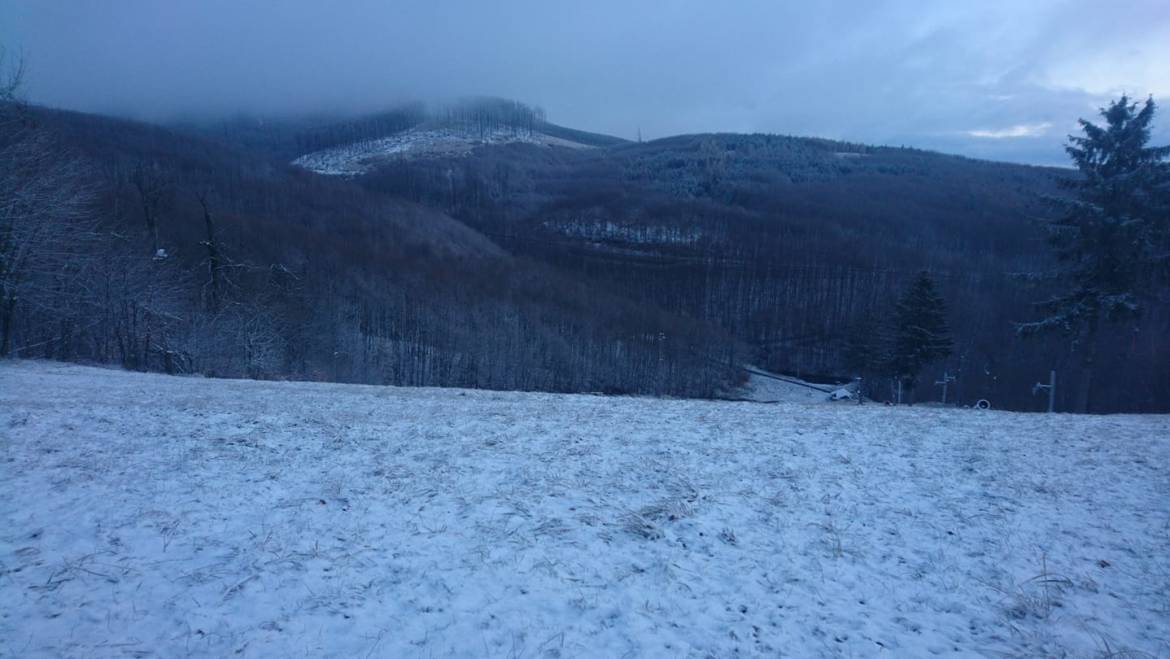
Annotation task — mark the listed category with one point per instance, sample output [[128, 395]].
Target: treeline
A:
[[362, 129], [485, 114], [286, 139], [130, 244]]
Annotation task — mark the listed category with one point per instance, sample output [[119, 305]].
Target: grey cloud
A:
[[895, 72]]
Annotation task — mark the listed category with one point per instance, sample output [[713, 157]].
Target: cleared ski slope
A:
[[144, 515]]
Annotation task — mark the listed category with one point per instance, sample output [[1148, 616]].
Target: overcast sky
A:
[[1002, 79]]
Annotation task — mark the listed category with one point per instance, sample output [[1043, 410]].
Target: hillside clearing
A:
[[145, 514], [359, 158]]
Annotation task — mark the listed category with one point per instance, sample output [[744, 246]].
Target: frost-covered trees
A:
[[921, 334], [45, 225], [1111, 235], [70, 287]]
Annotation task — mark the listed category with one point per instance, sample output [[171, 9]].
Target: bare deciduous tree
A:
[[214, 286], [153, 190], [11, 77]]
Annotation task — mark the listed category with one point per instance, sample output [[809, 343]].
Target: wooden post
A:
[[947, 379], [1051, 387]]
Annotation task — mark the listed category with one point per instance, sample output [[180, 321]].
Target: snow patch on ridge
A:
[[640, 234], [361, 157]]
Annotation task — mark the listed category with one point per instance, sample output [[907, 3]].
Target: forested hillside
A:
[[521, 254], [157, 250], [798, 247]]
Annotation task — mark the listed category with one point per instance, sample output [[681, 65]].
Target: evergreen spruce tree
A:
[[921, 334], [1111, 235], [866, 351]]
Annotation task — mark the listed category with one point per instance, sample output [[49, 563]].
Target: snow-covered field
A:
[[157, 516], [360, 157]]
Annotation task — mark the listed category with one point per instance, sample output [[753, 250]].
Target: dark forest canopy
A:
[[617, 266]]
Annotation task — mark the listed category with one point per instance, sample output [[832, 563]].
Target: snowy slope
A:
[[765, 387], [148, 515], [424, 142]]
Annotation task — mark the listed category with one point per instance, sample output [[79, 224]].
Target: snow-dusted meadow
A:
[[159, 516]]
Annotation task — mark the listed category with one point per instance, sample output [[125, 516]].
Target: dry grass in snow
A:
[[144, 515]]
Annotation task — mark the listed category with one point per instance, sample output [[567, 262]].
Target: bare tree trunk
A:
[[152, 189], [7, 314], [214, 261], [1088, 364], [151, 222]]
